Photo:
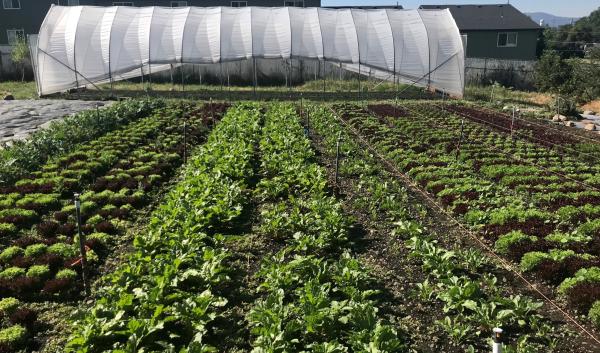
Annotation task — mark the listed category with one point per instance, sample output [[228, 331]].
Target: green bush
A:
[[10, 253], [591, 274], [505, 242], [7, 229], [594, 314], [8, 305], [36, 250], [552, 72], [38, 271], [12, 272], [66, 274], [13, 336], [64, 250]]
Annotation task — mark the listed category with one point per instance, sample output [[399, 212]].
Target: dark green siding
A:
[[483, 44]]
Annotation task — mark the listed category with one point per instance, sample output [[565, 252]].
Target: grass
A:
[[20, 90]]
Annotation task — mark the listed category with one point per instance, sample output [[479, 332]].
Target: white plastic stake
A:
[[497, 347]]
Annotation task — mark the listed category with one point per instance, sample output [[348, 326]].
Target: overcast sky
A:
[[565, 8]]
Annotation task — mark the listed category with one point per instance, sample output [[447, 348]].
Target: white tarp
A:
[[81, 45]]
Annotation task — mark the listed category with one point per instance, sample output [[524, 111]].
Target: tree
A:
[[552, 72], [20, 55], [571, 40]]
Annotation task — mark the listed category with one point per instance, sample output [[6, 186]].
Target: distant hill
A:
[[550, 20]]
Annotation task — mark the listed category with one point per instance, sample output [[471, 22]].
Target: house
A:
[[495, 31], [18, 18]]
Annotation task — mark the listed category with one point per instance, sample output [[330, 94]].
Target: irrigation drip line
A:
[[508, 266], [490, 111], [518, 132], [582, 183]]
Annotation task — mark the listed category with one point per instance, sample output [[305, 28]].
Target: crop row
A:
[[500, 186], [462, 281], [26, 156], [315, 296], [44, 263], [162, 298]]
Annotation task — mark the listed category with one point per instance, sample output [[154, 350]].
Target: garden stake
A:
[[184, 143], [512, 122], [97, 114], [462, 131], [337, 157], [81, 244], [497, 346]]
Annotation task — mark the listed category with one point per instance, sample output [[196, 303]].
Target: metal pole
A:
[[497, 345], [359, 88], [182, 79], [255, 78], [212, 113], [228, 85], [337, 157], [81, 245], [324, 82], [184, 142], [171, 72], [97, 114], [512, 122], [221, 75], [462, 131]]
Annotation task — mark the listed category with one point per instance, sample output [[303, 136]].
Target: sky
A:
[[564, 8]]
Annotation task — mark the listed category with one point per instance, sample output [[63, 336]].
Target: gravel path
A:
[[19, 118]]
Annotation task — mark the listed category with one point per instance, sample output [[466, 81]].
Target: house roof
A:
[[487, 17]]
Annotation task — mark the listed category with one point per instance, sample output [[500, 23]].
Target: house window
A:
[[15, 35], [122, 3], [11, 4], [179, 3], [294, 3], [508, 39], [239, 3]]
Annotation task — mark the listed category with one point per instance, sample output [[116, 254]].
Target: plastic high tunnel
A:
[[84, 45]]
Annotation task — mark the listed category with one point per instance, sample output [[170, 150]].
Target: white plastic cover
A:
[[83, 45]]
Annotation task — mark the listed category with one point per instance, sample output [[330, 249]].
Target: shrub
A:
[[505, 242], [38, 271], [591, 274], [12, 272], [36, 250], [8, 305], [66, 274], [64, 250], [13, 336], [594, 313], [10, 253], [7, 229]]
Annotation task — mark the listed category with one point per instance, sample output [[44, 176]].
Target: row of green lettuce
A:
[[163, 298], [314, 296], [25, 156]]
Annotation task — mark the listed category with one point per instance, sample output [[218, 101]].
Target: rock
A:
[[559, 117], [9, 97], [590, 127], [569, 123], [589, 112]]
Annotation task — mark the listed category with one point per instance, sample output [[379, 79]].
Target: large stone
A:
[[590, 127], [559, 117], [8, 97], [589, 112], [569, 123]]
